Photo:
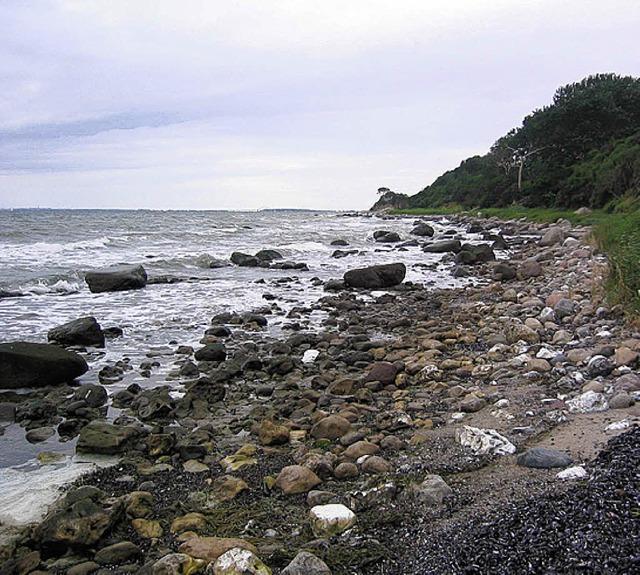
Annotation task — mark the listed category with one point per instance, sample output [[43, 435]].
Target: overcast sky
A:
[[247, 104]]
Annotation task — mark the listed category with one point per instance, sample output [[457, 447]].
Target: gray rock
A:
[[443, 247], [244, 260], [305, 563], [374, 277], [122, 552], [552, 237], [384, 236], [422, 230], [104, 438], [82, 331], [93, 395], [564, 308], [116, 278], [503, 272], [40, 434], [544, 458], [24, 364], [212, 352], [431, 491], [621, 401]]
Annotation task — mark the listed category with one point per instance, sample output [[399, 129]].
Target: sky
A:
[[251, 104]]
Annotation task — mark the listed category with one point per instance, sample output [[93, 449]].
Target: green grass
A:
[[615, 234]]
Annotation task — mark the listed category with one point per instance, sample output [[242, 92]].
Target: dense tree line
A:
[[582, 150]]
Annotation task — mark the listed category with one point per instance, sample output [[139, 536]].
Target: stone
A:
[[375, 464], [305, 563], [485, 441], [520, 332], [295, 479], [240, 562], [375, 277], [273, 434], [360, 448], [332, 519], [431, 491], [503, 272], [346, 470], [212, 352], [178, 564], [383, 372], [147, 528], [577, 472], [24, 364], [82, 331], [529, 269], [40, 434], [122, 552], [227, 488], [189, 522], [621, 401], [472, 403], [105, 438], [588, 402], [544, 458], [210, 548], [331, 427], [422, 230], [387, 237], [93, 395], [116, 278], [564, 308], [443, 246], [625, 356], [553, 236]]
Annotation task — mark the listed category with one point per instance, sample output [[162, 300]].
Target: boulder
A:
[[212, 352], [104, 438], [295, 479], [444, 246], [554, 235], [331, 427], [24, 364], [544, 458], [82, 331], [474, 254], [376, 277], [244, 260], [503, 272], [332, 519], [422, 230], [116, 278], [239, 562], [305, 563], [387, 237]]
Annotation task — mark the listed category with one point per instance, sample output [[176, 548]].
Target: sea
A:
[[45, 253]]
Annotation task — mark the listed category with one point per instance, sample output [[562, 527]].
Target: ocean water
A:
[[44, 255]]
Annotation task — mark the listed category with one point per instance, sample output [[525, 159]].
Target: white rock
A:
[[588, 402], [332, 519], [485, 441], [239, 561], [545, 353], [310, 356], [618, 425], [501, 403], [577, 472]]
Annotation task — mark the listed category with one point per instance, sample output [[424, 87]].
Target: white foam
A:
[[29, 490]]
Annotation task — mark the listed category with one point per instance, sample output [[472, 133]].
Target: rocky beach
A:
[[490, 428]]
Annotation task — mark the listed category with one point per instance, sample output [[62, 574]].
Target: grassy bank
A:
[[615, 234]]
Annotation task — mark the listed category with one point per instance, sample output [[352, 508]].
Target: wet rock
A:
[[544, 458], [106, 439], [330, 520], [422, 230], [78, 521], [116, 278], [385, 236], [93, 395], [82, 331], [444, 246], [305, 563], [244, 260], [25, 364], [40, 434], [212, 352], [122, 552], [474, 254], [375, 277], [239, 562], [295, 479]]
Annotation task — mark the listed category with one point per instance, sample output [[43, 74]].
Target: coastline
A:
[[406, 370]]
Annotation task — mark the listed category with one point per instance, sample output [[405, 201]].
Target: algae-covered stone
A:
[[178, 564], [189, 522], [271, 433], [332, 519], [147, 528], [106, 439]]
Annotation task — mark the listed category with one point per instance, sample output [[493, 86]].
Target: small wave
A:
[[62, 287]]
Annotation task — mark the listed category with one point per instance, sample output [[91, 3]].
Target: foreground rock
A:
[[82, 331], [376, 277], [116, 278], [24, 364]]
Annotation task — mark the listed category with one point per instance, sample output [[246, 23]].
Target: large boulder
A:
[[116, 278], [375, 277], [422, 229], [443, 246], [82, 331], [24, 364], [106, 439]]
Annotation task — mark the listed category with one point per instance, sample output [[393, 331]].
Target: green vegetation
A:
[[582, 150]]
